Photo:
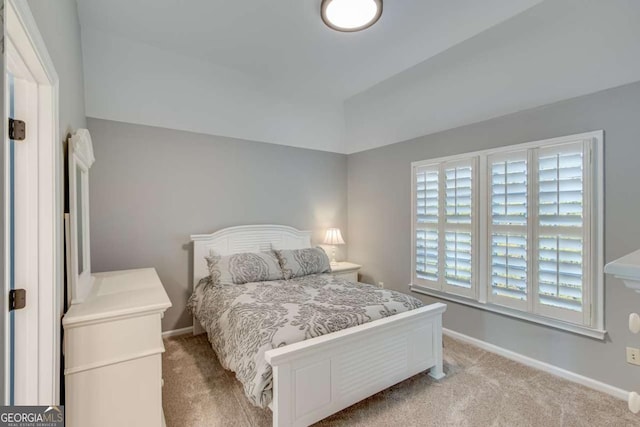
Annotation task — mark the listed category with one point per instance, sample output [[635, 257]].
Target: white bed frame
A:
[[318, 377]]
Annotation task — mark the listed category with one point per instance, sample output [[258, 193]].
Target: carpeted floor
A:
[[480, 389]]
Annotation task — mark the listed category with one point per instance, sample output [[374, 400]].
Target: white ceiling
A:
[[270, 71], [284, 43], [558, 50]]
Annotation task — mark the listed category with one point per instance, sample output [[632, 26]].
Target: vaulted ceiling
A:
[[286, 43], [280, 54]]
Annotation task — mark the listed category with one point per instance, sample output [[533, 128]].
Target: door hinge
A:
[[17, 299], [17, 129]]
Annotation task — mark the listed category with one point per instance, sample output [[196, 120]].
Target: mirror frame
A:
[[80, 158]]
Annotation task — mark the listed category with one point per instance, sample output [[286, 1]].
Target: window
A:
[[516, 230], [445, 221]]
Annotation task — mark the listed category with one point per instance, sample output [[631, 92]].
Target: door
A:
[[9, 235], [23, 232], [18, 238], [31, 215], [8, 319], [5, 348], [10, 340]]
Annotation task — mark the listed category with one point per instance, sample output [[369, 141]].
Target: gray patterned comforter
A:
[[245, 321]]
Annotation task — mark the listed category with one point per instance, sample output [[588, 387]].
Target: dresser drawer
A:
[[125, 394], [101, 344]]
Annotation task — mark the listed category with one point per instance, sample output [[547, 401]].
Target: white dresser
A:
[[113, 352]]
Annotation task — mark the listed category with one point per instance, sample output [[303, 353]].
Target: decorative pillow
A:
[[244, 267], [302, 262]]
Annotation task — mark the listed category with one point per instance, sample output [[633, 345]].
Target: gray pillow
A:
[[244, 267], [302, 262]]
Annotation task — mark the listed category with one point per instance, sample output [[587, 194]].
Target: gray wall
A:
[[380, 224], [151, 188]]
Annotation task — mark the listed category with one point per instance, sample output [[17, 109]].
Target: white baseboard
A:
[[176, 332], [543, 366]]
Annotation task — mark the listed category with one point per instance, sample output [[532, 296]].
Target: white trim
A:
[[29, 26], [597, 235], [24, 37], [177, 332], [511, 312], [542, 366]]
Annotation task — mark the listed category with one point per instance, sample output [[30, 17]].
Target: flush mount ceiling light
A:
[[350, 15]]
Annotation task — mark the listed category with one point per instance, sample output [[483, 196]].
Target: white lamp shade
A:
[[333, 237]]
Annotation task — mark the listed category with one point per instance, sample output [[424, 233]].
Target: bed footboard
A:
[[321, 376]]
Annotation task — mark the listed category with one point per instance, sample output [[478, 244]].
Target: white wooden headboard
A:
[[244, 238]]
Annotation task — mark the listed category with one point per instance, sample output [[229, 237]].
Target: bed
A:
[[311, 379]]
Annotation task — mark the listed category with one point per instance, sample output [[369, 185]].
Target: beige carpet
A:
[[481, 389]]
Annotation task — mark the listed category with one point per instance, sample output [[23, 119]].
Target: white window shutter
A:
[[458, 227], [509, 265], [508, 190], [427, 195], [458, 192], [427, 255], [444, 223], [427, 215], [561, 186], [561, 211], [458, 259]]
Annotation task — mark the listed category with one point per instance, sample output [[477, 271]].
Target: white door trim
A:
[[26, 43]]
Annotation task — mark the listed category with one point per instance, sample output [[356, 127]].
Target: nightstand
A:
[[346, 270]]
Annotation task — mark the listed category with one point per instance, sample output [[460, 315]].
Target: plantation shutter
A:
[[508, 231], [517, 230], [426, 227], [457, 232], [561, 216], [444, 223]]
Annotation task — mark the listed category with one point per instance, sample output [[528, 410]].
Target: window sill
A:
[[557, 324]]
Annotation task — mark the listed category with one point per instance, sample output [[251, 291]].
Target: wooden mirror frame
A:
[[81, 158]]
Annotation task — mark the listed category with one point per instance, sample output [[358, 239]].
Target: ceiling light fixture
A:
[[350, 15]]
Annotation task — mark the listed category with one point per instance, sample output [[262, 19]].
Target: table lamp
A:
[[333, 237]]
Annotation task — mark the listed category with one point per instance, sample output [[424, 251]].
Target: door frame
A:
[[25, 44]]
